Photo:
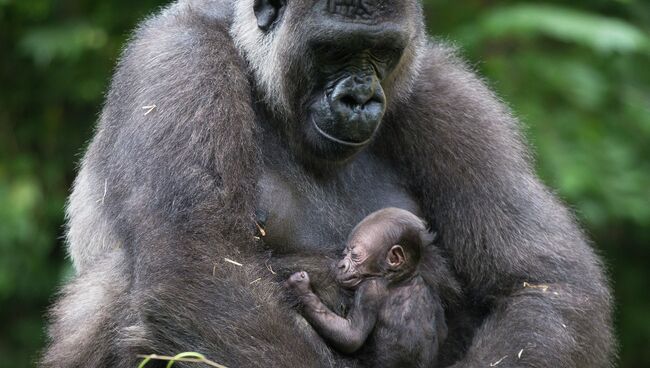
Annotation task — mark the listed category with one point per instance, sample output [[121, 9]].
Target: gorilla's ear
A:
[[396, 257], [267, 12]]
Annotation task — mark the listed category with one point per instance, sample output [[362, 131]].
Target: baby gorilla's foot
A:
[[299, 282]]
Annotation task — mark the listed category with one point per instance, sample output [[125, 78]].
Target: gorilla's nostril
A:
[[356, 101], [353, 92], [349, 101]]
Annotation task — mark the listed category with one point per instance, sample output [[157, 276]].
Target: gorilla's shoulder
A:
[[215, 10], [450, 85], [183, 61], [188, 34], [442, 58], [190, 16]]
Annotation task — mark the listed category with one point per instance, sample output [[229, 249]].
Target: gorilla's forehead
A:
[[353, 23], [360, 11]]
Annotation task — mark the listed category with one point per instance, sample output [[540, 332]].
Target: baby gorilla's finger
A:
[[305, 277], [296, 278]]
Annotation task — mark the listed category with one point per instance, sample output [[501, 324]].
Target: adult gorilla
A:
[[272, 127]]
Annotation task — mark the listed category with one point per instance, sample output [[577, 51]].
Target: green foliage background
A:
[[577, 73]]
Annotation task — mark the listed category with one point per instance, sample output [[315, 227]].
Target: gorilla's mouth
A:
[[350, 282], [342, 142]]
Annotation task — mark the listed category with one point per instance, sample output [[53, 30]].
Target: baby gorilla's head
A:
[[388, 243]]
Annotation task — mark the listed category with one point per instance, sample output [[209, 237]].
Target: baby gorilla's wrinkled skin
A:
[[395, 316]]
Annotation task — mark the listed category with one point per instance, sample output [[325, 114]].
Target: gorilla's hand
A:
[[299, 283]]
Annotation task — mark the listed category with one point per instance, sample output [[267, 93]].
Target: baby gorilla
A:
[[395, 316]]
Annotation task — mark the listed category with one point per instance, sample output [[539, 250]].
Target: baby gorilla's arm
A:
[[345, 334]]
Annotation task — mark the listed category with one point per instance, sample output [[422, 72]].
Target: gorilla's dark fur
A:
[[164, 196]]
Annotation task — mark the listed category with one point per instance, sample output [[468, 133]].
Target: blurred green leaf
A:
[[600, 33], [62, 41]]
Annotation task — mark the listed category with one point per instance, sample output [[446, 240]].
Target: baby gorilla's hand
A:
[[299, 283]]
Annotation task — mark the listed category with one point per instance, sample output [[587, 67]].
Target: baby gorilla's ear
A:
[[396, 257], [267, 12]]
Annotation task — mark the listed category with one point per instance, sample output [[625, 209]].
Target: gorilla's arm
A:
[[500, 226], [152, 218], [347, 334]]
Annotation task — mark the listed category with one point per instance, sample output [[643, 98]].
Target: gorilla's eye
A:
[[331, 54], [386, 53], [384, 60], [387, 56]]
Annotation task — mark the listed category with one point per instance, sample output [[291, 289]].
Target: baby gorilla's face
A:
[[358, 262], [367, 254]]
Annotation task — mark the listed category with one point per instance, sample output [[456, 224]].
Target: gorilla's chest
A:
[[301, 213]]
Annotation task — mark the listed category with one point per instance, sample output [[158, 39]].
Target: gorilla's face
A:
[[348, 102], [330, 67]]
